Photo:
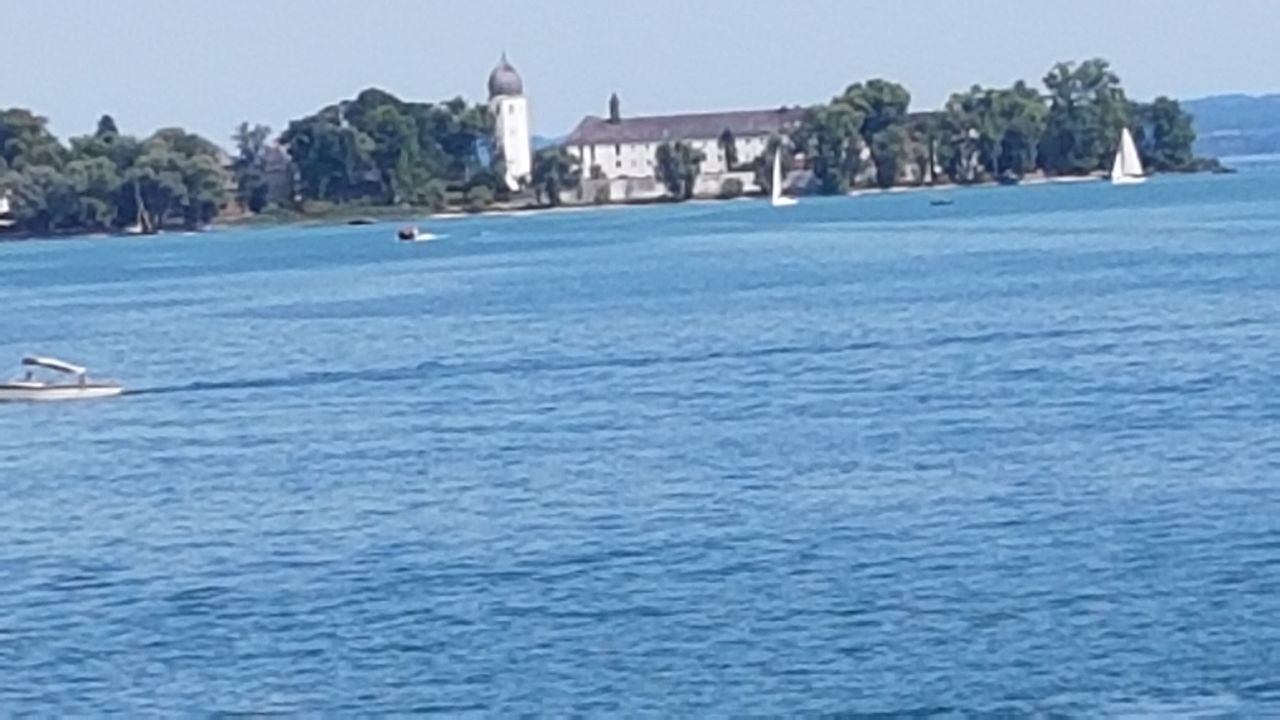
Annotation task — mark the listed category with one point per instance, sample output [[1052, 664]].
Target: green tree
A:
[[924, 131], [44, 199], [1165, 134], [555, 170], [1022, 114], [994, 131], [396, 154], [25, 140], [1086, 112], [179, 177], [882, 104], [677, 166], [729, 146], [890, 152], [377, 148], [97, 183], [454, 132], [829, 135], [106, 128], [333, 160], [250, 166]]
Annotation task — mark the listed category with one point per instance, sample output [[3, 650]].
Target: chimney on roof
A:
[[615, 109]]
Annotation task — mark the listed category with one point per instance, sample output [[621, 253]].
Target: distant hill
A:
[[1236, 124]]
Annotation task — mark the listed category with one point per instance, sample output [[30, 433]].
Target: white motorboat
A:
[[1127, 169], [778, 200], [413, 234], [33, 389]]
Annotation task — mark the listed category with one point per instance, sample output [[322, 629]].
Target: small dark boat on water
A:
[[362, 221], [942, 202], [410, 233]]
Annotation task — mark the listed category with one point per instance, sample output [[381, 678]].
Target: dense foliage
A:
[[677, 166], [555, 170], [107, 181], [379, 149], [866, 135]]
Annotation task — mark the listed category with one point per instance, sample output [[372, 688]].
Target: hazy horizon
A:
[[208, 66]]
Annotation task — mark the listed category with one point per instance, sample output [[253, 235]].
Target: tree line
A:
[[379, 150], [867, 135], [372, 150], [107, 181]]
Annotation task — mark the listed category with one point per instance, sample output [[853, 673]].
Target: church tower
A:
[[511, 121]]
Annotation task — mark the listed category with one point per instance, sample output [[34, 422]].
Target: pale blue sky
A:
[[207, 65]]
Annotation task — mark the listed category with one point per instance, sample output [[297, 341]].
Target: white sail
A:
[[1128, 165], [778, 200], [4, 204]]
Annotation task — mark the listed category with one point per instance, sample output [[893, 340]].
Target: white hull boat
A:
[[19, 391], [32, 389], [413, 235]]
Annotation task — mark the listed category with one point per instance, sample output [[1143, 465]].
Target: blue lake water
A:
[[1017, 455]]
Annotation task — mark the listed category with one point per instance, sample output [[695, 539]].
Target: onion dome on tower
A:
[[504, 80]]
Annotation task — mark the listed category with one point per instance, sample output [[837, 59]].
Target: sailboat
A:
[[142, 225], [778, 200], [1127, 169], [411, 233], [5, 211]]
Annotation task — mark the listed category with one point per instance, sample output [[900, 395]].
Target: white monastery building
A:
[[511, 121], [626, 147]]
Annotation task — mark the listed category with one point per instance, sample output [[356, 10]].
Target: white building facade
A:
[[616, 148], [510, 110]]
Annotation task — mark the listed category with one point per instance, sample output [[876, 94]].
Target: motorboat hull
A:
[[35, 392], [418, 237]]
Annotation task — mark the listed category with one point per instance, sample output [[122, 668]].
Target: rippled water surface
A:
[[1019, 454]]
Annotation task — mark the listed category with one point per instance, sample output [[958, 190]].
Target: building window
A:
[[617, 149]]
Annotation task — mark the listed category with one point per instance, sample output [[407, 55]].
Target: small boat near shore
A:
[[30, 388], [411, 233]]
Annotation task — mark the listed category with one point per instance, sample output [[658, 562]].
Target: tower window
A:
[[511, 109], [617, 149]]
